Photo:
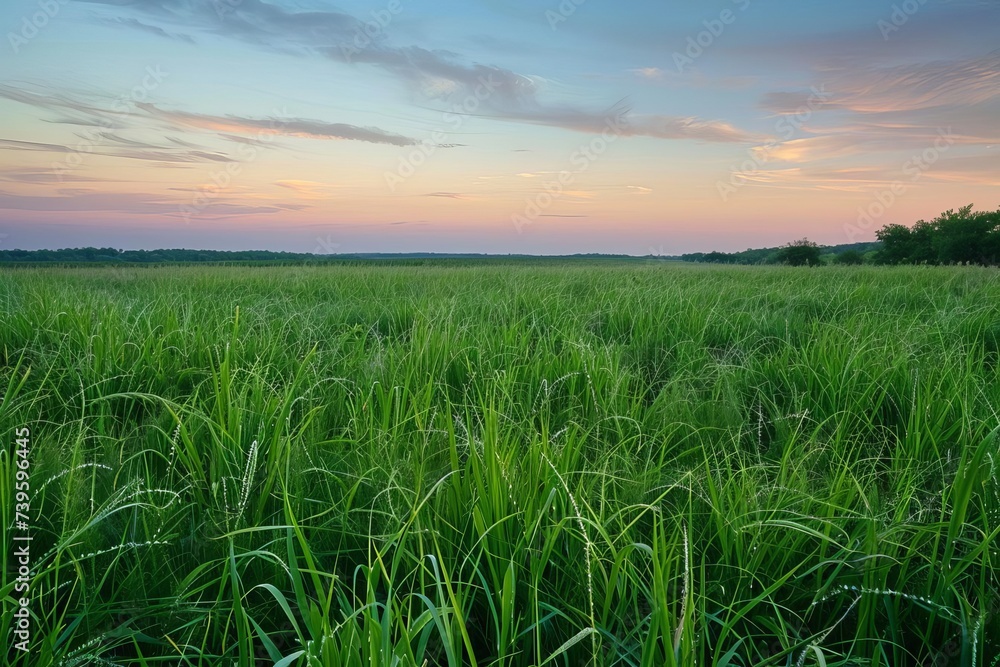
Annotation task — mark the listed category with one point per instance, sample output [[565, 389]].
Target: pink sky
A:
[[362, 127]]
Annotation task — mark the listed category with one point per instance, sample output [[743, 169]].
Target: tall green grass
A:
[[579, 464]]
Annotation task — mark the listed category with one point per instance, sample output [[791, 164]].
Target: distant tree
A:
[[849, 257], [799, 253], [991, 244], [965, 237], [954, 237], [896, 244], [922, 247], [717, 258]]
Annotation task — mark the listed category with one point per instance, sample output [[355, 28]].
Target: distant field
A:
[[537, 463]]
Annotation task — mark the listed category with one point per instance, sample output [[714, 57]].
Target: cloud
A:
[[438, 74], [253, 21], [262, 127], [938, 27], [620, 121], [978, 170], [308, 189], [943, 83], [892, 110], [104, 126], [938, 85], [46, 177], [687, 127], [447, 195], [134, 203], [14, 145], [95, 113], [299, 186], [430, 74], [653, 73], [786, 103], [867, 138], [151, 154], [64, 102], [136, 24]]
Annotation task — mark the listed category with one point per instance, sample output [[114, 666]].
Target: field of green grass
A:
[[504, 465]]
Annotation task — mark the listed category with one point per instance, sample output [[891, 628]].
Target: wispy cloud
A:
[[112, 125], [45, 177], [940, 84], [15, 145], [652, 73], [890, 110], [293, 127], [135, 152], [448, 195], [136, 24], [428, 74], [979, 170], [132, 203], [308, 189]]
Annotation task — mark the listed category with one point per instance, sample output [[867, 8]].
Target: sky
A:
[[541, 127]]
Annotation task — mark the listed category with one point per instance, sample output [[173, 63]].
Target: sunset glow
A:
[[489, 126]]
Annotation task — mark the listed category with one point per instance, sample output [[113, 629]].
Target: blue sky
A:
[[489, 126]]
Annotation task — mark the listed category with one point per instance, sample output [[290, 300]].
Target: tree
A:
[[896, 244], [964, 237], [850, 257], [922, 243], [717, 257], [954, 237], [799, 253]]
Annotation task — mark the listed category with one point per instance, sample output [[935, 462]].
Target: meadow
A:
[[504, 464]]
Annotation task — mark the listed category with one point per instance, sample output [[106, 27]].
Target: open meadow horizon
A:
[[499, 333]]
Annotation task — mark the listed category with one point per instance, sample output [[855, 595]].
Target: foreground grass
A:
[[525, 465]]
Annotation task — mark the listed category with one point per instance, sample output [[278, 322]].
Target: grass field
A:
[[561, 464]]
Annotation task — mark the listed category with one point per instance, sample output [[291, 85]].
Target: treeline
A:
[[115, 256], [797, 252], [954, 237], [183, 256]]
